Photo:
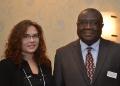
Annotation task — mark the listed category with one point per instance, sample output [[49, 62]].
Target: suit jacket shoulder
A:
[[109, 43], [70, 46]]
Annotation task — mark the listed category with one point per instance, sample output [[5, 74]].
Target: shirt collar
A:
[[95, 46]]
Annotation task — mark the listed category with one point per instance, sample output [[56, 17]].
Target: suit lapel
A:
[[79, 60], [102, 58]]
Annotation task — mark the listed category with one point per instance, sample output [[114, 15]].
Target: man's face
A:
[[89, 27]]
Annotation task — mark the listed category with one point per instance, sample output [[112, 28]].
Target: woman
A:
[[26, 63]]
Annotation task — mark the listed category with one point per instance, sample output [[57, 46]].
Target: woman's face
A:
[[30, 41]]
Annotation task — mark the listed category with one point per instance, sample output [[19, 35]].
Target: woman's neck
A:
[[30, 60], [27, 57]]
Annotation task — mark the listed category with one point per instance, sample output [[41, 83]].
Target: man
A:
[[75, 65]]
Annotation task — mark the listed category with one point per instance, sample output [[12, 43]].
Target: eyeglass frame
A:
[[33, 36]]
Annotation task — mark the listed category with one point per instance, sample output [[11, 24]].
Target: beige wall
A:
[[57, 17]]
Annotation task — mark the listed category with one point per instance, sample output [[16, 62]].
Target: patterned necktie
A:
[[89, 64]]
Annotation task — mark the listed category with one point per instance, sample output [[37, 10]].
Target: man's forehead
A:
[[89, 16]]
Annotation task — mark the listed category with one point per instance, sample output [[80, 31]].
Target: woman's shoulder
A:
[[7, 71], [7, 64], [46, 69]]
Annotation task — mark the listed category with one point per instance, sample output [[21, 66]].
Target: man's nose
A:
[[88, 25]]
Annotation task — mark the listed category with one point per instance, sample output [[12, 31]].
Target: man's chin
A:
[[88, 40]]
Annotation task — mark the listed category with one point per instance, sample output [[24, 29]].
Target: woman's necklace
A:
[[28, 76]]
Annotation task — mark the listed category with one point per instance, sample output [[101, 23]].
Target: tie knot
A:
[[89, 49]]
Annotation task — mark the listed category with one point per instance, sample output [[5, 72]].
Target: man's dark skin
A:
[[70, 68], [89, 26]]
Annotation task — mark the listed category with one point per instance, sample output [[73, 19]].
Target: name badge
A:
[[112, 74]]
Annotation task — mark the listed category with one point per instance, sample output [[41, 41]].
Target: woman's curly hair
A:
[[14, 46]]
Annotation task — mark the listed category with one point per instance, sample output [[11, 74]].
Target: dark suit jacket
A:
[[11, 75], [69, 68]]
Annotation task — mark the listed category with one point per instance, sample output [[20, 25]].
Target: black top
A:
[[11, 75]]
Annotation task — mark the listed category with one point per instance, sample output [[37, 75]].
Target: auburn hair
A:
[[14, 46]]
